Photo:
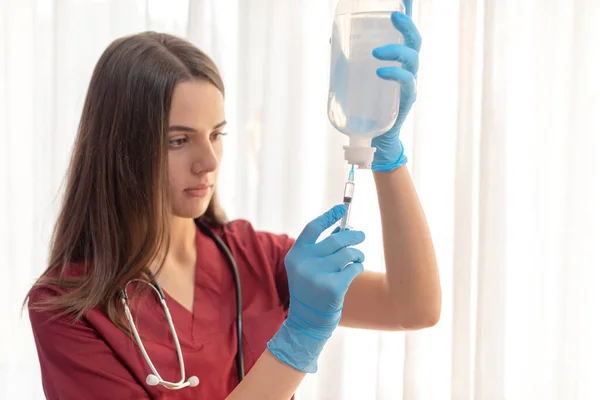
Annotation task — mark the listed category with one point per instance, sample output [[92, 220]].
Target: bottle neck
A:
[[360, 141]]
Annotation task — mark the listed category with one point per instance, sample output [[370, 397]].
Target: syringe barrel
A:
[[348, 191], [348, 194]]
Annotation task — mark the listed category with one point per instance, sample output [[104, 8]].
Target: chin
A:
[[192, 211]]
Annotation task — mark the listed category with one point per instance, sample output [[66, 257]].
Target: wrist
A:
[[293, 346], [390, 159], [303, 335]]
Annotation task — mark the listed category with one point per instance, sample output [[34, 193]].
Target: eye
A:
[[216, 135], [178, 142]]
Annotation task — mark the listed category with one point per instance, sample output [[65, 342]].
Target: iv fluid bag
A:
[[360, 102]]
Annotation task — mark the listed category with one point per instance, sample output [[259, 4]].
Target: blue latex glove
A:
[[390, 152], [319, 275]]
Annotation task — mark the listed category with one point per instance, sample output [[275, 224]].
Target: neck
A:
[[182, 246]]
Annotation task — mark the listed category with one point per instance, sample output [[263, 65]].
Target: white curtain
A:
[[503, 146]]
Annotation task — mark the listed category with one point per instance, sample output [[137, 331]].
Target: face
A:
[[196, 123]]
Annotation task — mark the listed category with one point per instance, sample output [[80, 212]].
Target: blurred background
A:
[[502, 143]]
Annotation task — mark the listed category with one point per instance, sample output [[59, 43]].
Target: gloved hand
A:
[[319, 275], [390, 152]]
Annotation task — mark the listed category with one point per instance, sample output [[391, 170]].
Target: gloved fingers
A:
[[401, 53], [401, 75], [406, 26], [408, 6], [348, 274], [337, 229], [317, 226], [343, 257], [338, 241]]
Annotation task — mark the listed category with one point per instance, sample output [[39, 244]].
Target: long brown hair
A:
[[114, 219]]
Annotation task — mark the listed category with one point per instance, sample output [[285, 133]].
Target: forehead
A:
[[197, 104]]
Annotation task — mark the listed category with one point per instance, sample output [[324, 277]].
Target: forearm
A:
[[319, 274], [411, 268], [269, 379]]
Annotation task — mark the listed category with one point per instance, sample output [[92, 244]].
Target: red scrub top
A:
[[93, 359]]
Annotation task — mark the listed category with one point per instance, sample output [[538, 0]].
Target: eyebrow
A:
[[183, 128]]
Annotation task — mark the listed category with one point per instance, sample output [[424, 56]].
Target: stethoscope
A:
[[154, 378]]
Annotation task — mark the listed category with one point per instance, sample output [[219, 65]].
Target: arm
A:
[[319, 275], [269, 379], [412, 277], [408, 295]]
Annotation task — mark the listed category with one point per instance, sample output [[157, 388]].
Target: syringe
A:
[[348, 194]]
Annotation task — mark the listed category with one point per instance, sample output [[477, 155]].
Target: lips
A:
[[198, 191]]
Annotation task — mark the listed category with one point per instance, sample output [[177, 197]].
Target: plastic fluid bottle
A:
[[361, 104]]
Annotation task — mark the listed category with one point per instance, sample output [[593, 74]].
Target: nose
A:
[[205, 159]]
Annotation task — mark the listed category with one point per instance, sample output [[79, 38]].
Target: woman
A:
[[140, 208]]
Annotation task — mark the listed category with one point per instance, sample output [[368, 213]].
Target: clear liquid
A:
[[360, 102]]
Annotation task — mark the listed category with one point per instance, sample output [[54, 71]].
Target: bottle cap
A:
[[359, 152], [360, 156]]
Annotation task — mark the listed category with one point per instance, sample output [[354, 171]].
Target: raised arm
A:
[[408, 295]]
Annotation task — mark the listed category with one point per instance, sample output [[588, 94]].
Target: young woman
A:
[[141, 228]]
